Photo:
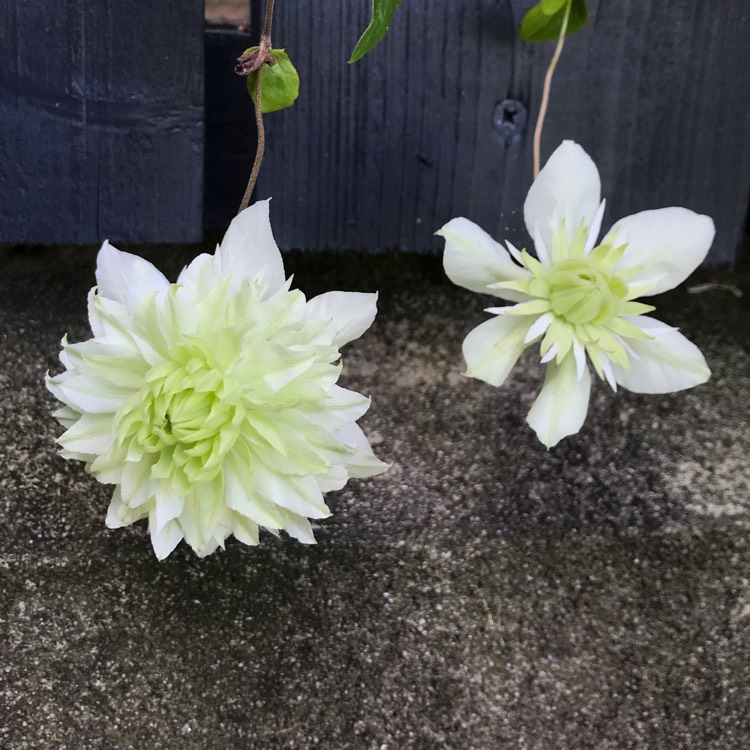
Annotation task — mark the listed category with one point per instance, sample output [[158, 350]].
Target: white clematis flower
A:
[[212, 403], [576, 299]]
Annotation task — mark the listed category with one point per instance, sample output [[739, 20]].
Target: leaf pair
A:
[[542, 23]]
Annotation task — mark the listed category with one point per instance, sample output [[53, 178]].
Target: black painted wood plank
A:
[[231, 137], [380, 154], [101, 121]]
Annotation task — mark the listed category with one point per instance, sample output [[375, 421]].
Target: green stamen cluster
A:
[[188, 415], [582, 300]]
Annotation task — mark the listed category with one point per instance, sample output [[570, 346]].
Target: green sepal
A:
[[382, 15], [544, 21], [280, 84]]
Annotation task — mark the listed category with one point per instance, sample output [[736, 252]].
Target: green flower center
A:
[[188, 414], [583, 292]]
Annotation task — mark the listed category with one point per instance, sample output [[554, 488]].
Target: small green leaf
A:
[[544, 21], [382, 15], [280, 85], [552, 6]]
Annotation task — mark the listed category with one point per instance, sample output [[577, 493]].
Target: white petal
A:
[[241, 499], [542, 252], [245, 530], [119, 514], [126, 278], [473, 260], [594, 230], [493, 347], [539, 326], [334, 479], [609, 374], [249, 250], [92, 434], [667, 363], [88, 393], [168, 505], [579, 353], [561, 406], [514, 251], [665, 245], [351, 313], [340, 408], [551, 353], [136, 483], [569, 183], [200, 276], [165, 539], [293, 493], [298, 527], [363, 463]]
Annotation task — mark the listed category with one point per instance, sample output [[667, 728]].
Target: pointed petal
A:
[[579, 353], [363, 462], [245, 530], [595, 228], [200, 276], [91, 434], [493, 347], [351, 313], [119, 514], [298, 527], [560, 409], [664, 246], [539, 327], [666, 363], [249, 250], [541, 247], [550, 354], [168, 506], [334, 479], [166, 538], [569, 183], [126, 278], [473, 260], [293, 493], [244, 501]]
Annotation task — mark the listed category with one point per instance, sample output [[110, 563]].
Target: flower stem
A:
[[265, 45], [545, 93]]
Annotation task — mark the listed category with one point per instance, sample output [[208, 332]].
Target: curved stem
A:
[[261, 144], [545, 93], [265, 44]]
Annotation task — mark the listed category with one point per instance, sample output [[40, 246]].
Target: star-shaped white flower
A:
[[576, 298], [211, 404]]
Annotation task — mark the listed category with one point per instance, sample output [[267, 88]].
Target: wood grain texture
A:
[[101, 121], [231, 136], [380, 154]]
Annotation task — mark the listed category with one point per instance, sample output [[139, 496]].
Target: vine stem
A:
[[265, 45], [545, 93]]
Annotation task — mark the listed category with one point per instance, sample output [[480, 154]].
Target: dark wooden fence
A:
[[101, 121], [102, 113]]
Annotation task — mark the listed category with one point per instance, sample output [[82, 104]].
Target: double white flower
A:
[[576, 298], [212, 403]]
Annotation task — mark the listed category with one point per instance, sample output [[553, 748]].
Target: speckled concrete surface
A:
[[485, 594]]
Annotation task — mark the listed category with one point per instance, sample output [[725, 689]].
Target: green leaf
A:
[[552, 6], [382, 15], [544, 21], [280, 85]]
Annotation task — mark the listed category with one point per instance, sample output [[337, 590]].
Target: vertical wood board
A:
[[380, 154], [101, 121]]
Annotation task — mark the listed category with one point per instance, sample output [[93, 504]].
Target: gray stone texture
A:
[[484, 594]]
